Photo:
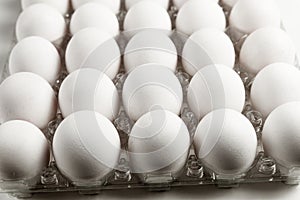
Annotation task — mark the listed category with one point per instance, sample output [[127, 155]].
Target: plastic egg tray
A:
[[264, 169]]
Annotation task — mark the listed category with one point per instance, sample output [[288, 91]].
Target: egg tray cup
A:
[[264, 169]]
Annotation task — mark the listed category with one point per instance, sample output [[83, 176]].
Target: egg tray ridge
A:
[[264, 169]]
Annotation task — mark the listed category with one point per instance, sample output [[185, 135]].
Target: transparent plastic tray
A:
[[264, 169]]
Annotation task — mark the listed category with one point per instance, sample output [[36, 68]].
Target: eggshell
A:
[[226, 142], [266, 46], [94, 15], [163, 3], [159, 143], [214, 87], [41, 20], [275, 85], [249, 15], [61, 5], [180, 3], [89, 89], [27, 96], [151, 87], [24, 151], [195, 15], [114, 5], [150, 46], [147, 15], [86, 147], [205, 47], [281, 134], [93, 48], [37, 55]]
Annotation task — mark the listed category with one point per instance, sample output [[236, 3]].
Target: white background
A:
[[291, 17]]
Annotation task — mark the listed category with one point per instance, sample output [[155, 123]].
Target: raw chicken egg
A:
[[276, 84], [151, 87], [225, 141], [41, 20], [197, 14], [86, 147], [94, 15], [24, 151], [27, 96], [89, 89]]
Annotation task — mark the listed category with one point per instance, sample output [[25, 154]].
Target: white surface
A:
[[94, 15], [37, 55], [89, 89], [291, 16], [158, 143], [214, 87], [147, 15], [80, 147], [150, 46], [226, 142]]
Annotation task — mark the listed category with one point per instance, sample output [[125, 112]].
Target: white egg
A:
[[61, 5], [37, 55], [89, 89], [195, 15], [24, 151], [150, 46], [275, 85], [41, 20], [94, 15], [281, 135], [93, 48], [114, 5], [86, 147], [225, 141], [229, 3], [249, 15], [180, 3], [205, 47], [147, 15], [163, 3], [158, 143], [27, 96], [266, 46], [214, 87], [151, 87]]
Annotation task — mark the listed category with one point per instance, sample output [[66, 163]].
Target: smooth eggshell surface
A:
[[150, 46], [24, 151], [36, 55], [225, 141], [180, 3], [158, 143], [205, 47], [89, 89], [195, 15], [114, 5], [89, 49], [61, 5], [163, 3], [41, 20], [275, 85], [151, 87], [281, 134], [249, 15], [214, 87], [94, 15], [266, 46], [86, 147], [147, 15], [27, 96]]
